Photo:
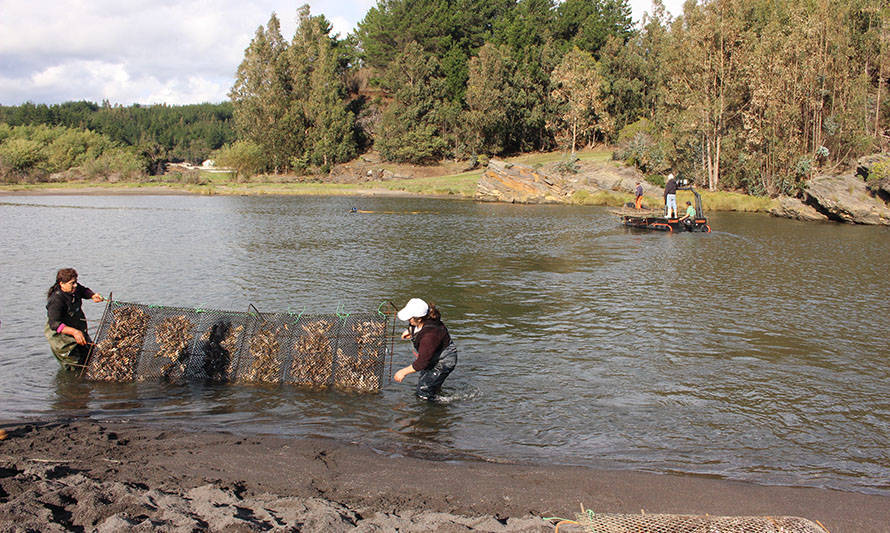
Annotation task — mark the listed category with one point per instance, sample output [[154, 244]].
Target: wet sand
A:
[[63, 475]]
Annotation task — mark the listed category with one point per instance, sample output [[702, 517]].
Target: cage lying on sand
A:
[[673, 523], [138, 342]]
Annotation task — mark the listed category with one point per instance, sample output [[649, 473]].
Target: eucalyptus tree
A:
[[705, 60], [577, 95]]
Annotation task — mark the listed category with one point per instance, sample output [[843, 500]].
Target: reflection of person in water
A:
[[72, 394], [217, 358]]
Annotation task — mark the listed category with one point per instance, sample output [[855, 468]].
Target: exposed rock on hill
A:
[[508, 182], [788, 207], [847, 199]]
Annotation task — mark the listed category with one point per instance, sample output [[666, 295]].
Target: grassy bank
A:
[[440, 181]]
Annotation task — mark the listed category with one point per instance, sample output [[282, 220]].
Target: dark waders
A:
[[70, 355], [431, 379]]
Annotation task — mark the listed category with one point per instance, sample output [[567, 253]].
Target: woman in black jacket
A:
[[435, 353], [66, 325]]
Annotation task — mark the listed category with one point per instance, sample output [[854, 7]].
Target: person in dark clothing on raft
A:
[[435, 353], [670, 197], [66, 325]]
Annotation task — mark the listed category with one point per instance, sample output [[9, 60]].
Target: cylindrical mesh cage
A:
[[672, 523], [137, 342]]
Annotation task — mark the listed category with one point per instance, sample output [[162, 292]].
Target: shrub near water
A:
[[33, 153]]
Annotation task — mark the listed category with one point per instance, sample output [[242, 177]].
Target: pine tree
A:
[[486, 117], [317, 66], [260, 95], [410, 126]]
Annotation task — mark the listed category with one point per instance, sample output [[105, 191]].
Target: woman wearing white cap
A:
[[435, 353]]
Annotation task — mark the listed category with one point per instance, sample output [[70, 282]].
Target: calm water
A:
[[757, 352]]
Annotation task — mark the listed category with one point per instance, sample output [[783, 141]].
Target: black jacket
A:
[[670, 187], [64, 308]]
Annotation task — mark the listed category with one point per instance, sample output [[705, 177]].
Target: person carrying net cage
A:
[[435, 352], [66, 324]]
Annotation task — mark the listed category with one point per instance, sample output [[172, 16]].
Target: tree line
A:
[[155, 134], [751, 95]]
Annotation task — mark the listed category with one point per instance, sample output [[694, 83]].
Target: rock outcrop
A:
[[610, 176], [844, 198], [788, 207], [506, 182], [847, 199]]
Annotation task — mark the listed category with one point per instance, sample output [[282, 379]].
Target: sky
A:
[[149, 51]]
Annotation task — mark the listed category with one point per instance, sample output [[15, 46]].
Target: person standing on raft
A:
[[435, 353], [66, 325], [670, 197]]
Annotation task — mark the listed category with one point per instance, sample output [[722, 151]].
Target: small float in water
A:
[[655, 219]]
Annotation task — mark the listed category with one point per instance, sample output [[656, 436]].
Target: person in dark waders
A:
[[435, 353], [66, 325]]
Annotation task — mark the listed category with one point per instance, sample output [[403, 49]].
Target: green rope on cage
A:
[[342, 316], [200, 310], [379, 312], [298, 316]]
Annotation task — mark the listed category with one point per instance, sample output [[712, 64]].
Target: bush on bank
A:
[[31, 154]]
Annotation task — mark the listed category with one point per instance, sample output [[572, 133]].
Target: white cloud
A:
[[147, 51], [144, 51]]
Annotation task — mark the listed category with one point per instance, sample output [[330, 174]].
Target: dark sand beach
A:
[[85, 475]]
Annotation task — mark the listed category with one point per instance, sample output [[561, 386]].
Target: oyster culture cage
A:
[[672, 523], [139, 342]]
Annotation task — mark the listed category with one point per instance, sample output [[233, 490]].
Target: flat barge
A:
[[654, 219]]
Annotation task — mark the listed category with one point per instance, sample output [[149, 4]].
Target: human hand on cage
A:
[[406, 334], [76, 333], [400, 375], [97, 297]]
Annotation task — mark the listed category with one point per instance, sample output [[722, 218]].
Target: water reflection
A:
[[72, 394]]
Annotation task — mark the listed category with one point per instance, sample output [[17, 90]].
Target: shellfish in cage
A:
[[264, 348], [116, 357], [173, 335], [361, 373], [314, 358]]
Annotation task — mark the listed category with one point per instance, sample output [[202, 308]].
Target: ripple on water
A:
[[740, 353]]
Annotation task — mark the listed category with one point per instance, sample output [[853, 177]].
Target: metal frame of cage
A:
[[177, 344]]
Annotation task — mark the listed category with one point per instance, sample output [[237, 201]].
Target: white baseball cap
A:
[[670, 176], [415, 308]]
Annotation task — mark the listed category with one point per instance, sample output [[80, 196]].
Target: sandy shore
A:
[[84, 475]]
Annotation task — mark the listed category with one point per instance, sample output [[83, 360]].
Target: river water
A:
[[756, 352]]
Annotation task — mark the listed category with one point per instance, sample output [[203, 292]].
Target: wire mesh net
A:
[[670, 523], [138, 342]]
